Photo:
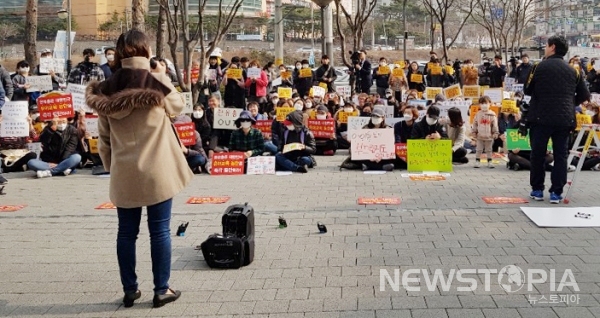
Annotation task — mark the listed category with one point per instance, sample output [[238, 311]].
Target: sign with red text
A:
[[372, 144], [401, 151], [224, 118], [265, 127], [55, 105], [322, 128], [504, 200], [207, 200], [379, 201], [186, 133], [227, 164]]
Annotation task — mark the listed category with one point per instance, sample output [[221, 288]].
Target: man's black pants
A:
[[539, 136]]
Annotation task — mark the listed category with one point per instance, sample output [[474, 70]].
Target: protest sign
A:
[[187, 100], [106, 206], [518, 88], [292, 147], [284, 92], [211, 74], [93, 145], [344, 90], [383, 70], [253, 72], [49, 64], [39, 83], [425, 177], [378, 201], [285, 75], [343, 116], [234, 73], [323, 85], [207, 200], [516, 141], [224, 118], [11, 208], [495, 94], [400, 64], [582, 119], [431, 92], [55, 105], [14, 119], [452, 91], [356, 123], [436, 70], [471, 91], [416, 78], [282, 112], [276, 82], [322, 128], [91, 125], [506, 95], [318, 91], [265, 128], [401, 151], [78, 94], [372, 144], [186, 133], [508, 83], [261, 165], [509, 106], [305, 72], [429, 155], [504, 200], [228, 163], [35, 147], [195, 75], [398, 72], [462, 105]]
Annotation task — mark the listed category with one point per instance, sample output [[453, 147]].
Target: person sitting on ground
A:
[[429, 127], [253, 109], [194, 154], [297, 160], [325, 146], [202, 126], [457, 132], [219, 138], [246, 139], [13, 150], [59, 150], [521, 160], [377, 121]]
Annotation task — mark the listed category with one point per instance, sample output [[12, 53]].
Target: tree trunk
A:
[[137, 15], [31, 20], [161, 33]]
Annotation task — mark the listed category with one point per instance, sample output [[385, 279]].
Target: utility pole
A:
[[278, 33]]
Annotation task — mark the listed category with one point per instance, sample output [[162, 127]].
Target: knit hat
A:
[[294, 118]]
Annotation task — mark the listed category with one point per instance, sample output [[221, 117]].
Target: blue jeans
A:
[[282, 163], [71, 162], [159, 218], [270, 147], [196, 161]]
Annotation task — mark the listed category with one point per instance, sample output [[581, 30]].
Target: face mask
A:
[[35, 116], [275, 101], [305, 65], [246, 124], [408, 117], [382, 64], [591, 113], [485, 107], [298, 107], [198, 114], [291, 127], [431, 121], [299, 66], [388, 95], [308, 105], [321, 117], [348, 109], [110, 58], [61, 127], [376, 120], [24, 70]]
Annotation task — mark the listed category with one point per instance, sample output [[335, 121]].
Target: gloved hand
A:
[[523, 129]]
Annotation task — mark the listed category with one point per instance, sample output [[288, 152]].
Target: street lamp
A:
[[326, 28], [66, 14]]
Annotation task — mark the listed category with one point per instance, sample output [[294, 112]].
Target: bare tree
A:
[[355, 25], [137, 15], [161, 33], [7, 30], [440, 11], [31, 20]]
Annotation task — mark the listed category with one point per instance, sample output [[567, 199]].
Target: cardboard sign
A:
[[189, 105], [286, 75], [509, 106], [379, 201], [35, 147], [398, 72], [253, 72], [429, 155], [78, 94], [495, 94], [356, 123], [227, 163], [49, 64], [426, 177], [186, 133], [106, 206], [224, 118], [383, 70], [39, 83], [292, 147], [436, 70], [452, 91], [401, 151], [305, 72], [207, 200], [261, 165], [582, 120], [516, 141], [11, 208], [372, 144], [416, 78], [284, 92], [265, 127], [344, 90], [318, 91], [234, 73], [14, 119], [431, 92], [93, 146], [343, 116], [54, 105], [471, 91], [282, 112], [322, 128], [91, 125], [504, 200]]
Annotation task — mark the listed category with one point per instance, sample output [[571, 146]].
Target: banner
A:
[[224, 118], [516, 141], [471, 91], [429, 155], [78, 94], [431, 92], [282, 112], [186, 133], [227, 163], [322, 128], [265, 128], [261, 165], [372, 144], [452, 91], [55, 105], [14, 119], [39, 83]]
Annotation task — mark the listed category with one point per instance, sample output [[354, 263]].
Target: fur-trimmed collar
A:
[[122, 103]]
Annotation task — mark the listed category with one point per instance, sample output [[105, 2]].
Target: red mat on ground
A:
[[427, 178], [384, 201], [106, 206], [11, 208], [207, 200], [504, 200]]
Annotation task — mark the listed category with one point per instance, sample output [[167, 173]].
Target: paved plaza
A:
[[58, 257]]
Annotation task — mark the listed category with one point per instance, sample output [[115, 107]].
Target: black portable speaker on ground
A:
[[238, 221], [223, 251]]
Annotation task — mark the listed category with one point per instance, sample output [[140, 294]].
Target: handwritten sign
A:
[[186, 133], [429, 155], [227, 163], [253, 72], [398, 72], [284, 92], [91, 125], [282, 112], [495, 94], [224, 118], [343, 116], [431, 92], [14, 119], [35, 147], [234, 73], [356, 123], [436, 70], [54, 105], [462, 105], [471, 91], [378, 201], [344, 90], [426, 177], [261, 165], [207, 200], [516, 141], [372, 144], [49, 64], [187, 102], [401, 151], [504, 200], [11, 208], [509, 106], [383, 70], [78, 94], [39, 83], [416, 78], [452, 91], [322, 128], [292, 147], [106, 206], [265, 128], [305, 73], [318, 91]]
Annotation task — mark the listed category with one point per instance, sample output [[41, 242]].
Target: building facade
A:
[[249, 8], [578, 21]]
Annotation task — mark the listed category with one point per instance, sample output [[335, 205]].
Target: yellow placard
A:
[[452, 91], [509, 106], [343, 116], [475, 109], [383, 70], [281, 112], [582, 120], [420, 95], [93, 145], [292, 147], [305, 72], [431, 92], [324, 85], [416, 78], [401, 63], [430, 65], [471, 91], [286, 75], [398, 72], [436, 70], [235, 73], [284, 92], [449, 70]]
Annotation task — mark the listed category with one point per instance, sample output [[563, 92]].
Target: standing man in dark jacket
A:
[[555, 89], [363, 73], [59, 150], [498, 72], [524, 69], [7, 83], [326, 74]]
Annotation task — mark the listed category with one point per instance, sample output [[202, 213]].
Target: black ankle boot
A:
[[129, 298]]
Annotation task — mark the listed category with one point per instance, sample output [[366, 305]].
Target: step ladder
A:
[[582, 151]]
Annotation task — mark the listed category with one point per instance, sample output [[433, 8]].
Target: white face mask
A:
[[308, 105], [275, 101], [246, 124], [110, 57], [291, 127], [24, 70], [298, 106], [431, 121], [61, 127], [382, 64], [408, 117], [321, 117], [485, 107], [588, 112], [198, 114], [388, 95], [299, 66], [348, 109], [342, 103], [305, 65], [376, 120]]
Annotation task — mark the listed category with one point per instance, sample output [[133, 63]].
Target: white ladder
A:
[[592, 130]]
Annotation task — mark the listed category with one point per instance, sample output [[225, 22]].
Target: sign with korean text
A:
[[224, 118], [356, 123], [318, 91], [55, 105], [429, 155], [78, 94], [284, 92], [383, 70], [35, 147], [343, 90], [207, 200], [261, 165], [292, 147], [234, 73], [91, 125], [508, 83], [400, 63], [431, 92], [286, 75], [435, 70], [305, 72], [253, 72], [322, 128], [343, 116], [509, 106], [401, 151], [462, 105], [323, 85], [227, 163], [379, 201], [518, 88], [582, 119], [452, 91], [186, 133], [282, 112], [265, 128], [372, 144], [495, 94], [416, 78], [39, 83], [187, 102], [398, 72], [516, 141], [14, 119], [471, 91], [49, 64], [195, 75]]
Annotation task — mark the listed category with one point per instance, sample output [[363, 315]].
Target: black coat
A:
[[421, 129], [58, 146], [497, 75], [523, 72], [329, 72], [594, 79], [555, 90], [365, 77]]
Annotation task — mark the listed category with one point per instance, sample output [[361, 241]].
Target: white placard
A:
[[48, 64], [422, 114], [563, 217], [506, 95], [495, 94], [211, 74], [14, 119], [356, 123], [388, 110], [417, 103], [39, 83], [91, 125], [78, 94], [318, 91], [344, 90], [224, 118], [372, 144], [518, 88], [508, 83], [463, 105], [35, 147], [60, 44], [276, 82], [261, 165], [187, 100], [253, 72]]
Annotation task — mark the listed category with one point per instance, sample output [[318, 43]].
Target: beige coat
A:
[[137, 143]]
